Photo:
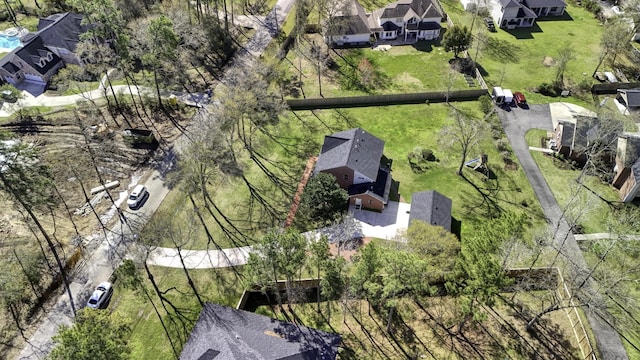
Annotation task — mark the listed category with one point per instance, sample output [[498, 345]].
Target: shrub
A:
[[502, 144], [548, 89], [427, 154], [418, 159], [486, 104]]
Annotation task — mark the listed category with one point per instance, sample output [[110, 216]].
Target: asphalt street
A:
[[516, 123]]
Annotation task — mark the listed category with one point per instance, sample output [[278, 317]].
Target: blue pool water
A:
[[9, 42]]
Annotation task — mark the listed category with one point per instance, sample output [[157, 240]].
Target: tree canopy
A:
[[457, 39], [323, 201], [95, 335]]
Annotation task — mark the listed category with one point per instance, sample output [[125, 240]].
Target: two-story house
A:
[[408, 20], [355, 158], [44, 52], [627, 168]]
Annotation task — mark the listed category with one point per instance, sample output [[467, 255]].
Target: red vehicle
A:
[[520, 99]]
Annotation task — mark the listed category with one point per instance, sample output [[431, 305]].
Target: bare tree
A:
[[464, 134]]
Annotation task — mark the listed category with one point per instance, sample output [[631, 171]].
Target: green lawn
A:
[[148, 340], [515, 57], [594, 212]]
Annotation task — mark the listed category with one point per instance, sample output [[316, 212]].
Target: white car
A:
[[100, 296], [617, 10], [137, 196]]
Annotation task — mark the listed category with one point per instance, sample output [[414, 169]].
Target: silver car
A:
[[100, 296]]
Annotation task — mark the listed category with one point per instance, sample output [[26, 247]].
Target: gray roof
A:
[[350, 19], [355, 149], [33, 51], [631, 97], [432, 208], [62, 30], [567, 134], [545, 3], [400, 8], [224, 333]]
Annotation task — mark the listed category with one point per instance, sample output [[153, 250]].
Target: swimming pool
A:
[[9, 42]]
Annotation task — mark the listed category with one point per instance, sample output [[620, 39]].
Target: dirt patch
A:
[[548, 61], [347, 254], [510, 164], [405, 79]]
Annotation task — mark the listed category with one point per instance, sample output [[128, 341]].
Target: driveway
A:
[[516, 123]]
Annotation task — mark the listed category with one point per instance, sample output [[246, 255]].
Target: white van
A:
[[137, 196]]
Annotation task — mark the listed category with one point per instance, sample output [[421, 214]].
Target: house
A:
[[355, 158], [573, 138], [432, 208], [44, 52], [408, 20], [627, 168], [511, 14], [349, 25], [629, 99], [546, 7], [224, 333]]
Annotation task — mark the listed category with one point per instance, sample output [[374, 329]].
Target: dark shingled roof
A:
[[351, 19], [567, 134], [380, 187], [33, 51], [224, 333], [62, 30], [11, 67], [432, 208], [400, 8], [545, 3], [355, 149], [631, 97]]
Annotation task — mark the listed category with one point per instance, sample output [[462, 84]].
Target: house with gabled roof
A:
[[432, 208], [627, 168], [348, 25], [225, 333], [44, 52], [546, 7], [573, 137], [409, 20], [355, 157], [511, 14]]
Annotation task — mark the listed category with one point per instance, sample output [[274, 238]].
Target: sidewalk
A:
[[200, 259]]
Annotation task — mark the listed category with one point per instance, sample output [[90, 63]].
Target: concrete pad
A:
[[386, 224], [562, 111]]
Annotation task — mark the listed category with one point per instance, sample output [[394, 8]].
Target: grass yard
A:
[[621, 263], [592, 212], [420, 331], [405, 127], [412, 68], [515, 59], [148, 339]]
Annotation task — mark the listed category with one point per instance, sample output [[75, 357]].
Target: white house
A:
[[513, 14], [349, 25], [408, 20]]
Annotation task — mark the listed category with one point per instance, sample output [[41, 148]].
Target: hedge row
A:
[[384, 100]]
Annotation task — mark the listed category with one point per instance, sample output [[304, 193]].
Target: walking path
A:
[[516, 123], [200, 259], [605, 236], [298, 196], [110, 250]]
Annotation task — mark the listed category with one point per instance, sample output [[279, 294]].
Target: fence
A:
[[384, 100], [574, 318]]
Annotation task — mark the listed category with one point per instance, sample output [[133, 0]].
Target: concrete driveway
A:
[[516, 123]]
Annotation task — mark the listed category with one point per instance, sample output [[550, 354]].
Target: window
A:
[[388, 34], [369, 201], [346, 177], [554, 9]]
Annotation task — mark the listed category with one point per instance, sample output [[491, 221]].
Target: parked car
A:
[[137, 196], [617, 10], [101, 296], [489, 23], [520, 99]]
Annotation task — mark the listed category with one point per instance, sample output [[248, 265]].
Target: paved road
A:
[[105, 256], [112, 248], [516, 123]]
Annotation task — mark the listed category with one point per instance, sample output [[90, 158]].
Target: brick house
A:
[[627, 168], [355, 158]]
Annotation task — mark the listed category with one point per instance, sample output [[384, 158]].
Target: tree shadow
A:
[[524, 33]]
